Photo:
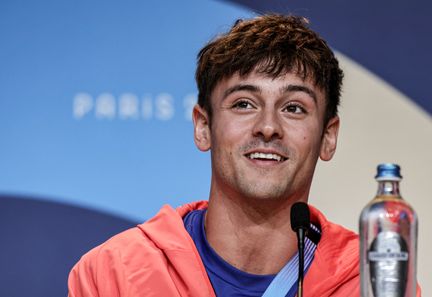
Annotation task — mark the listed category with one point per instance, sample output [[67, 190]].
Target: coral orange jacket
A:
[[159, 258]]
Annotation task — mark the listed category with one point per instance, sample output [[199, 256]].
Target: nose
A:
[[268, 126]]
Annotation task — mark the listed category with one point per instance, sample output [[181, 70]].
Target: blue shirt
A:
[[227, 280]]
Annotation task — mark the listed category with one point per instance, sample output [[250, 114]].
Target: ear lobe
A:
[[329, 139], [201, 128]]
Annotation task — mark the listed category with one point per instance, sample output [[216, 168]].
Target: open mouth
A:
[[266, 157]]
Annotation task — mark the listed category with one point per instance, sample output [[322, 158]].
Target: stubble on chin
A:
[[260, 185]]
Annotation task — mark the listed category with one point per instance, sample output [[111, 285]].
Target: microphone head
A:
[[300, 216]]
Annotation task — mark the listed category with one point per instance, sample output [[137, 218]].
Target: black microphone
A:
[[300, 222]]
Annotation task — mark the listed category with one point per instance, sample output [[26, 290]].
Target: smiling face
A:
[[265, 135]]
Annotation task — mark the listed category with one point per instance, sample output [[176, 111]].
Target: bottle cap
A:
[[388, 171]]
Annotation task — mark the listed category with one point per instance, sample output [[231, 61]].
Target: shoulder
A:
[[137, 259], [335, 268], [105, 268], [118, 247], [336, 239], [144, 240], [339, 239], [140, 245]]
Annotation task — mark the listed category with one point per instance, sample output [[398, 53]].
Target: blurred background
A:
[[96, 131]]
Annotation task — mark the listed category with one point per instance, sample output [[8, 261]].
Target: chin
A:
[[265, 193]]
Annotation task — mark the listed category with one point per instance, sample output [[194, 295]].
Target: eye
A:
[[242, 104], [294, 108]]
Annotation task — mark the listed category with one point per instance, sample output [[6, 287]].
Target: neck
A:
[[253, 235]]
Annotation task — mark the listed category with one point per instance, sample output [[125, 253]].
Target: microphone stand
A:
[[300, 240], [300, 222]]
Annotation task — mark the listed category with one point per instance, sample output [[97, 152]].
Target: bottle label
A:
[[388, 262], [380, 256]]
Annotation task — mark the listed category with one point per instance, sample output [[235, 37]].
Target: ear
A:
[[201, 128], [329, 139]]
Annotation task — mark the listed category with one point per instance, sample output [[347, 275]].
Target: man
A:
[[267, 109]]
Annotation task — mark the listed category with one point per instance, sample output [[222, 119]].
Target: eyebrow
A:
[[256, 89], [300, 88], [241, 87]]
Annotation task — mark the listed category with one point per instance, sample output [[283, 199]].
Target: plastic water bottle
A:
[[388, 240]]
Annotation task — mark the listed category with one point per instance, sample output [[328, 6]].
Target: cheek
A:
[[222, 145], [309, 140], [229, 134]]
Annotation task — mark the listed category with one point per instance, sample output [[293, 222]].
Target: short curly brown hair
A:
[[273, 45]]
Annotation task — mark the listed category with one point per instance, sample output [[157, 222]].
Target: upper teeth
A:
[[265, 156]]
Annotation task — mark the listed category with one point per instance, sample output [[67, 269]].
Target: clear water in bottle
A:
[[388, 240]]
